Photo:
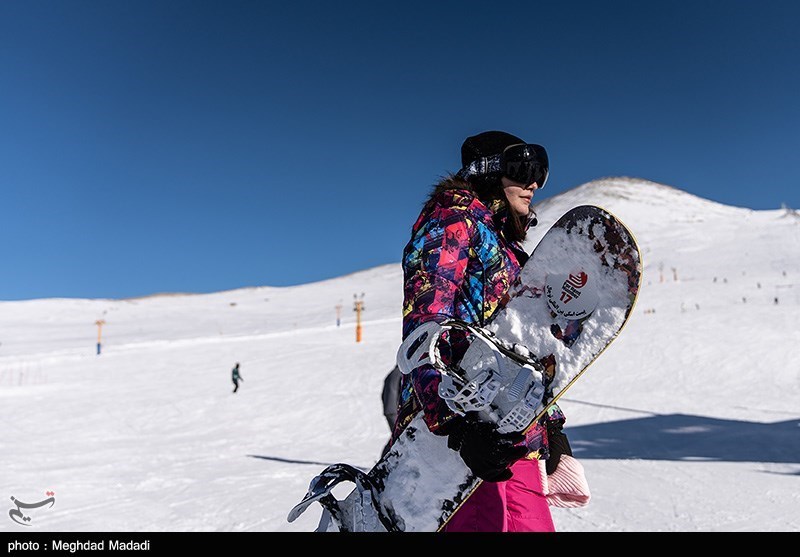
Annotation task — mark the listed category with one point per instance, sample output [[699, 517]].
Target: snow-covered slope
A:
[[688, 422], [697, 238]]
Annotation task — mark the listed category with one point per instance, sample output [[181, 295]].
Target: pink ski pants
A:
[[517, 505]]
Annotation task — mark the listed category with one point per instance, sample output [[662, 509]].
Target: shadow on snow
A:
[[685, 437], [678, 437], [296, 461]]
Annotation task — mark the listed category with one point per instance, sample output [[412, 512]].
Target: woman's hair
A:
[[489, 189]]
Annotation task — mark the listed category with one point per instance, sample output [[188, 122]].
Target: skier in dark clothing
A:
[[236, 377]]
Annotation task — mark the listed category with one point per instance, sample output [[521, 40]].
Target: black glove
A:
[[487, 453], [558, 443]]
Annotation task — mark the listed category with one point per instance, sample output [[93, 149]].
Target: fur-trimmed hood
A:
[[497, 206]]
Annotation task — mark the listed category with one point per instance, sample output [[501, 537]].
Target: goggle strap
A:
[[483, 165]]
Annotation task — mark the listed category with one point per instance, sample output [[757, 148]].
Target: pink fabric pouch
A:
[[567, 486]]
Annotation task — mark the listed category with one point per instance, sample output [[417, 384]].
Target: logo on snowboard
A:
[[571, 296]]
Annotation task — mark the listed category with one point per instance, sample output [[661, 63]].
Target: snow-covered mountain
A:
[[688, 422], [698, 238]]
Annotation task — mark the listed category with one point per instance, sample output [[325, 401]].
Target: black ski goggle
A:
[[525, 163]]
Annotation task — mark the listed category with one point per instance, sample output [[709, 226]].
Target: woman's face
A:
[[519, 195]]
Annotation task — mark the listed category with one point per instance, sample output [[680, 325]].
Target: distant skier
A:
[[236, 377], [464, 253]]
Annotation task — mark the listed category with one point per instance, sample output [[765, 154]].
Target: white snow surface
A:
[[690, 421]]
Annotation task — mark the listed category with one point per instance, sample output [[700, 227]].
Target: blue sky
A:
[[201, 146]]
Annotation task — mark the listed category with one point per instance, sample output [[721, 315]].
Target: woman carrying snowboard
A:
[[464, 254]]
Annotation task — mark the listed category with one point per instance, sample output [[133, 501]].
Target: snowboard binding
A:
[[499, 380], [370, 514]]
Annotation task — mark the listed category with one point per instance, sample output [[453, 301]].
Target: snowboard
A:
[[570, 301]]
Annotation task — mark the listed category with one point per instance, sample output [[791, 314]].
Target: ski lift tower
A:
[[338, 314], [358, 304], [99, 323]]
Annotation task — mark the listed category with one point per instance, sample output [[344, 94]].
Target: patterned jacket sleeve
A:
[[435, 264]]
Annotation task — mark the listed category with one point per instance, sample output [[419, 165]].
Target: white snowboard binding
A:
[[501, 381]]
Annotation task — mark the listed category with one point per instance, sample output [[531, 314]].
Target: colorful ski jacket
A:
[[457, 264]]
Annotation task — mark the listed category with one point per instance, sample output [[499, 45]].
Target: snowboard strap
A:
[[369, 509]]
